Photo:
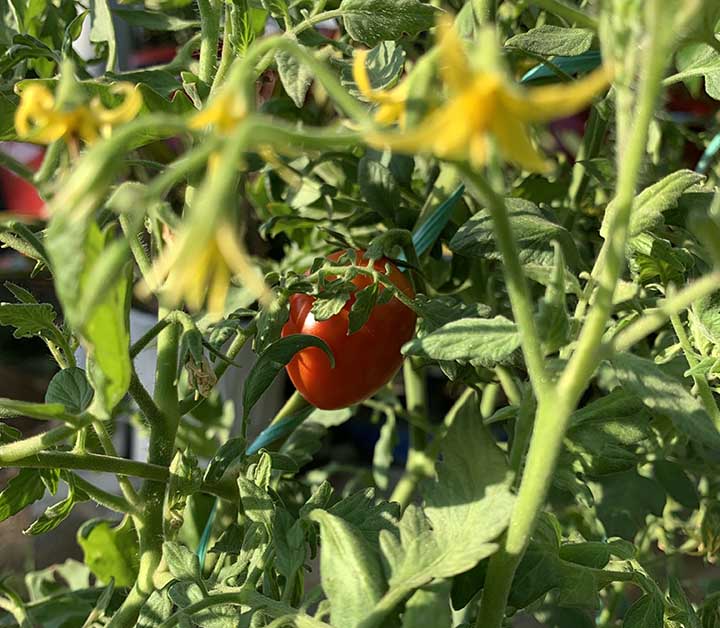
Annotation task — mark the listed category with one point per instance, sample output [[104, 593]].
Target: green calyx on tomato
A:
[[365, 360]]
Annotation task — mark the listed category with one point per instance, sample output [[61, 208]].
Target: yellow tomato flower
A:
[[483, 105], [224, 111], [392, 102], [198, 270], [39, 119]]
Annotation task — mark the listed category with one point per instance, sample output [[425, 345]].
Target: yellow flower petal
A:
[[392, 102], [224, 111], [454, 67], [515, 144], [360, 73], [124, 112], [478, 150], [241, 265], [218, 289], [555, 101]]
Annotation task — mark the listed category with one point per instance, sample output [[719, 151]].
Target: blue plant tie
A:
[[585, 62]]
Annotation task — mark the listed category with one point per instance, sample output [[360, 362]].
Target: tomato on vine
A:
[[365, 360]]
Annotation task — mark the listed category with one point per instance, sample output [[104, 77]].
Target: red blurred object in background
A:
[[18, 196]]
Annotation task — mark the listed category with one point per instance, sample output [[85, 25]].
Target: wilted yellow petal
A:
[[392, 102], [35, 118], [515, 144], [454, 67], [218, 289], [360, 73], [124, 112], [241, 265], [555, 101]]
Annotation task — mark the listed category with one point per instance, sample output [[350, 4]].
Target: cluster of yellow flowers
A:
[[39, 119], [480, 105]]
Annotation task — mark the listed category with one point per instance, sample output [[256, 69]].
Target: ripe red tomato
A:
[[364, 361]]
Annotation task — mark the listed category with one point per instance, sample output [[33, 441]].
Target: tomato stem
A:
[[555, 407]]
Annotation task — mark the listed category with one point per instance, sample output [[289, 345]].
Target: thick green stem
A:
[[11, 452], [554, 411], [162, 440], [209, 34], [484, 11], [93, 462], [515, 279], [126, 487], [704, 391], [417, 460], [145, 402], [136, 247], [294, 404]]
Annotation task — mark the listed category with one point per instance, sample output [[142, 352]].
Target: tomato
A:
[[364, 361]]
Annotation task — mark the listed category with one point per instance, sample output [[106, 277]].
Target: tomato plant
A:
[[481, 237]]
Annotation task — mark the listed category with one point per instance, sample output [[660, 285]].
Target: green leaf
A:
[[471, 493], [103, 31], [706, 317], [442, 309], [57, 513], [22, 490], [326, 307], [625, 500], [272, 361], [573, 571], [182, 563], [270, 322], [549, 40], [29, 319], [664, 394], [533, 232], [379, 188], [371, 21], [70, 388], [647, 612], [256, 502], [230, 541], [478, 341], [110, 552], [289, 543], [429, 606], [680, 610], [367, 514], [699, 60], [352, 577], [22, 295], [362, 307], [384, 65], [229, 451], [653, 201], [154, 20], [105, 332], [676, 483], [295, 77], [9, 434]]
